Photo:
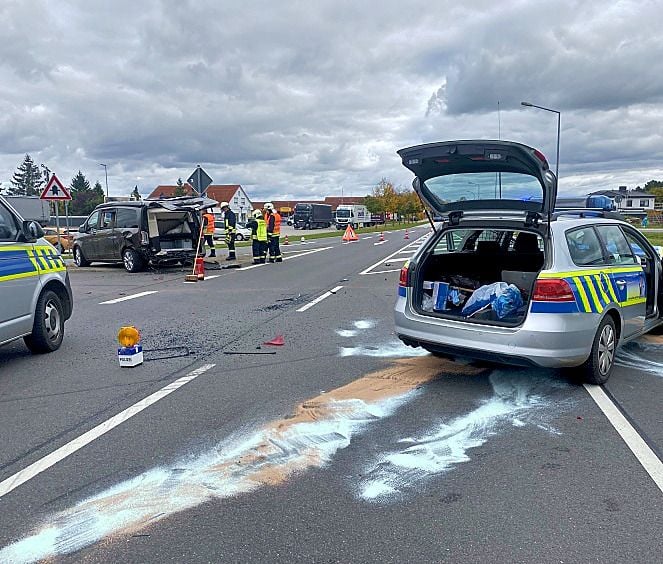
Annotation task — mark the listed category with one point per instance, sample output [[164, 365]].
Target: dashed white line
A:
[[78, 443], [645, 455], [131, 297], [380, 243], [319, 299], [382, 260], [289, 257]]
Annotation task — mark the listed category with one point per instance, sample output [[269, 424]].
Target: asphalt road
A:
[[342, 446]]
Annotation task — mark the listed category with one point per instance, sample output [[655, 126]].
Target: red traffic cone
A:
[[285, 241], [407, 235], [277, 341], [200, 268], [381, 236]]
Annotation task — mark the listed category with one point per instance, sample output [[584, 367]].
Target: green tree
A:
[[386, 193], [408, 205], [84, 198], [180, 190], [373, 204], [27, 179]]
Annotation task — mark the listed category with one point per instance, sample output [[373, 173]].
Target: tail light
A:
[[144, 238], [553, 290], [404, 278]]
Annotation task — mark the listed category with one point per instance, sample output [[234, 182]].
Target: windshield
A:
[[485, 186], [342, 213]]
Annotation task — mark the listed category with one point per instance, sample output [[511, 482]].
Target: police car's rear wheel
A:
[[79, 259], [598, 367], [48, 328]]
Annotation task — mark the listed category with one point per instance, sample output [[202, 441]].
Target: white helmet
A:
[[257, 214], [269, 206], [224, 205]]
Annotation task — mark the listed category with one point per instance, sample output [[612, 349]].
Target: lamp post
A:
[[559, 119], [106, 172]]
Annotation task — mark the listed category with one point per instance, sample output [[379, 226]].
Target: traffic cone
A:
[[407, 235], [285, 241], [200, 268], [381, 236], [303, 238], [350, 235], [277, 341]]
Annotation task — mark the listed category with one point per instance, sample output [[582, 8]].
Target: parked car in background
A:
[[243, 232], [35, 294], [66, 238], [153, 232], [507, 279]]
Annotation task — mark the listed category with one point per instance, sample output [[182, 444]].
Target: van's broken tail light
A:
[[553, 290], [144, 238]]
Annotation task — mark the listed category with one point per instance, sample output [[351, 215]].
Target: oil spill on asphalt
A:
[[519, 398], [635, 355], [307, 439], [394, 349]]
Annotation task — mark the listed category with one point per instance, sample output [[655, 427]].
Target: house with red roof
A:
[[234, 194]]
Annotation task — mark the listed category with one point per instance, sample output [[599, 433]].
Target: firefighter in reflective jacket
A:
[[208, 232], [258, 237], [230, 225], [273, 220]]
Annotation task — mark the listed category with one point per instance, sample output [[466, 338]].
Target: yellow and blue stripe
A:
[[24, 261], [595, 289]]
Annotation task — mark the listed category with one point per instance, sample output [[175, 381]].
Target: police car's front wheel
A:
[[48, 326], [598, 367]]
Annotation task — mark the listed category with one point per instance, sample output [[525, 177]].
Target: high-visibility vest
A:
[[261, 232], [209, 228], [277, 223]]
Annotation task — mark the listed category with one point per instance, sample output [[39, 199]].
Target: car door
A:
[[87, 237], [105, 233], [651, 265], [625, 276], [19, 278]]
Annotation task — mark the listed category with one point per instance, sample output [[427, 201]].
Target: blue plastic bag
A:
[[504, 299]]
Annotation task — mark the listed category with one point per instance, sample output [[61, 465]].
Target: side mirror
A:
[[81, 229], [32, 231]]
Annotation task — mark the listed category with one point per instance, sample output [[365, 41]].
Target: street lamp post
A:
[[559, 119], [106, 173]]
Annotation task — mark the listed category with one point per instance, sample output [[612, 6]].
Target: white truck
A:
[[31, 208], [356, 215]]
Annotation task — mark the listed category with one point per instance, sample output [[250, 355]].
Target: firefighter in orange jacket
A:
[[208, 232], [273, 220]]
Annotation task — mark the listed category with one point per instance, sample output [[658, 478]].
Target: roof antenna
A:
[[499, 122]]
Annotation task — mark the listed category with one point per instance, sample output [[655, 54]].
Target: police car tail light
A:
[[404, 279], [553, 290], [144, 238]]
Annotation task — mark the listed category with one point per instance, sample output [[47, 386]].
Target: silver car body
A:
[[26, 270], [547, 337]]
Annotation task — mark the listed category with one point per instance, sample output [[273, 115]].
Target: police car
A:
[[35, 294], [507, 279]]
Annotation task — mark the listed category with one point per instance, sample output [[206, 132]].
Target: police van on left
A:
[[35, 293]]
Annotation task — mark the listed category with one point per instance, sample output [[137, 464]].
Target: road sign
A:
[[200, 180], [55, 190]]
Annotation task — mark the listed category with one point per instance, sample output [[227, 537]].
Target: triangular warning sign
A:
[[350, 235], [55, 190]]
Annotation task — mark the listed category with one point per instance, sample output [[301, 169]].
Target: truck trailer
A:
[[312, 216]]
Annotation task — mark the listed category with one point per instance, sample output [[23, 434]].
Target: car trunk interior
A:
[[463, 262], [174, 229]]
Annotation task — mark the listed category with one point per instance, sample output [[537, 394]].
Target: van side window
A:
[[107, 217], [93, 221], [8, 227], [127, 218], [584, 246]]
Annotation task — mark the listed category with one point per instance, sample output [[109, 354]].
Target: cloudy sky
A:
[[309, 98]]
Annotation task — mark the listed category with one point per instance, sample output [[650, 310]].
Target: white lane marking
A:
[[319, 299], [382, 260], [369, 237], [132, 297], [304, 253], [78, 443], [384, 271], [380, 243], [645, 455]]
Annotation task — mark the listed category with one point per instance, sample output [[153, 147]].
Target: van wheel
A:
[[598, 367], [79, 259], [132, 260], [239, 237], [48, 327]]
